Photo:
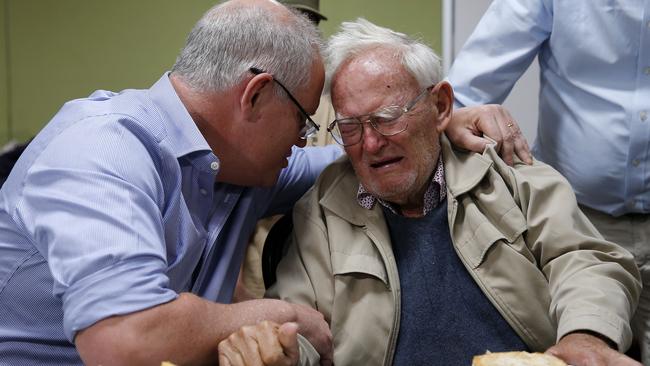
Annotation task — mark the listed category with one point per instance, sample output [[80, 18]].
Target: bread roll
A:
[[516, 359]]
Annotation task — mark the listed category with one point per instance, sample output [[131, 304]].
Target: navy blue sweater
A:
[[445, 317]]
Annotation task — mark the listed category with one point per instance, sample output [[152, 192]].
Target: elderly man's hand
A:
[[469, 124], [264, 344], [581, 349]]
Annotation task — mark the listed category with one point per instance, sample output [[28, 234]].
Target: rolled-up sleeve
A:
[[93, 211]]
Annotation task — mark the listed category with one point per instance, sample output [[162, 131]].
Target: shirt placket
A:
[[638, 164]]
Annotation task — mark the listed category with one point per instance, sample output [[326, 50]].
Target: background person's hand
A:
[[581, 349], [468, 126], [264, 344]]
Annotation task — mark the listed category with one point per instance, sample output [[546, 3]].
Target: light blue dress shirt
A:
[[110, 210], [594, 109]]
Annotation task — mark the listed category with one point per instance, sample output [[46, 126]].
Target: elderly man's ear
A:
[[443, 98]]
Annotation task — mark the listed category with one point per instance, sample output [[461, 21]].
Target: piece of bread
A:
[[516, 359]]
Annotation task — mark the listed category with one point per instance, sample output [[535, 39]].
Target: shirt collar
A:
[[180, 132], [435, 194]]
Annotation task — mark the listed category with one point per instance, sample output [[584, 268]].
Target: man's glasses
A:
[[308, 126], [349, 131]]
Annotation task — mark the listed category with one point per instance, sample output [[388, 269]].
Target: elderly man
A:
[[417, 253]]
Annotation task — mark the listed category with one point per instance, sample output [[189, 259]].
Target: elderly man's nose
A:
[[373, 141]]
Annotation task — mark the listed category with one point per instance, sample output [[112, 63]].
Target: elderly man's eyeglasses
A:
[[308, 126], [386, 121]]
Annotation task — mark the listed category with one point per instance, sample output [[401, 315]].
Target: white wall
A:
[[459, 19]]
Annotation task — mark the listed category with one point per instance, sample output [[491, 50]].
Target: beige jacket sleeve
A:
[[593, 284]]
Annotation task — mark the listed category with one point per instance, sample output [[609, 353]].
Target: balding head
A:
[[238, 34], [273, 7]]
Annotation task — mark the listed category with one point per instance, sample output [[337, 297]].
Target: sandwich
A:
[[516, 359]]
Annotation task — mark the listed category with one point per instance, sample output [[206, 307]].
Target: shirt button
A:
[[643, 115], [635, 162], [203, 192], [647, 70], [214, 166]]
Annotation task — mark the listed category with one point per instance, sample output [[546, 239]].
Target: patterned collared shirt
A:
[[435, 194]]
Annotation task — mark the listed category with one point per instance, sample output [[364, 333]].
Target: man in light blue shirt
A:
[[594, 122], [129, 211]]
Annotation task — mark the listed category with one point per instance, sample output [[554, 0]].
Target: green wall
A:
[[4, 82], [54, 51], [421, 18]]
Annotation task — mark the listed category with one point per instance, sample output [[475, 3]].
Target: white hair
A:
[[359, 36], [228, 40]]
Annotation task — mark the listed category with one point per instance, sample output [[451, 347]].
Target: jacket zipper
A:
[[392, 279]]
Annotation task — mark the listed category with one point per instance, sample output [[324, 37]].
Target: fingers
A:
[[256, 345], [475, 143], [229, 354], [247, 344], [494, 121], [523, 151], [288, 338], [514, 139], [580, 349], [278, 345]]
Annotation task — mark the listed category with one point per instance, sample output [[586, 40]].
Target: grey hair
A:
[[359, 36], [228, 40]]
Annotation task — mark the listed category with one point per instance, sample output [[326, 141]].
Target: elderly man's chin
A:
[[392, 188]]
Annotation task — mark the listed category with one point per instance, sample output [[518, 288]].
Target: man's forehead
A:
[[375, 68], [367, 79]]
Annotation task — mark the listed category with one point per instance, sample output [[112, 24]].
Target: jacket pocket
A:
[[484, 234], [363, 264]]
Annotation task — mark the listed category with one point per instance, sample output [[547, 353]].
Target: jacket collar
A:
[[464, 170]]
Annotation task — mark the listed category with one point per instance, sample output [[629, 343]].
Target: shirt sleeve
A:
[[499, 51], [92, 206], [304, 167]]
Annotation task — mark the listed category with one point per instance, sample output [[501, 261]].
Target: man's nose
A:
[[373, 141]]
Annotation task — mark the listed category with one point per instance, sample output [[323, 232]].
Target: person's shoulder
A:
[[336, 179], [338, 170]]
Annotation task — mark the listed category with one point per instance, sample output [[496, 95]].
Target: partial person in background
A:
[[419, 253], [594, 106]]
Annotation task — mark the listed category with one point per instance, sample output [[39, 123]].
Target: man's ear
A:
[[250, 98], [444, 100]]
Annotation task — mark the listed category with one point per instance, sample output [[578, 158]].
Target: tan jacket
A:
[[518, 231]]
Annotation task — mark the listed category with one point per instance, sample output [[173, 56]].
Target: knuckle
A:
[[271, 358], [247, 331], [223, 346]]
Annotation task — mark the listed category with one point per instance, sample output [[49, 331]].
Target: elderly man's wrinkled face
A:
[[395, 168]]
